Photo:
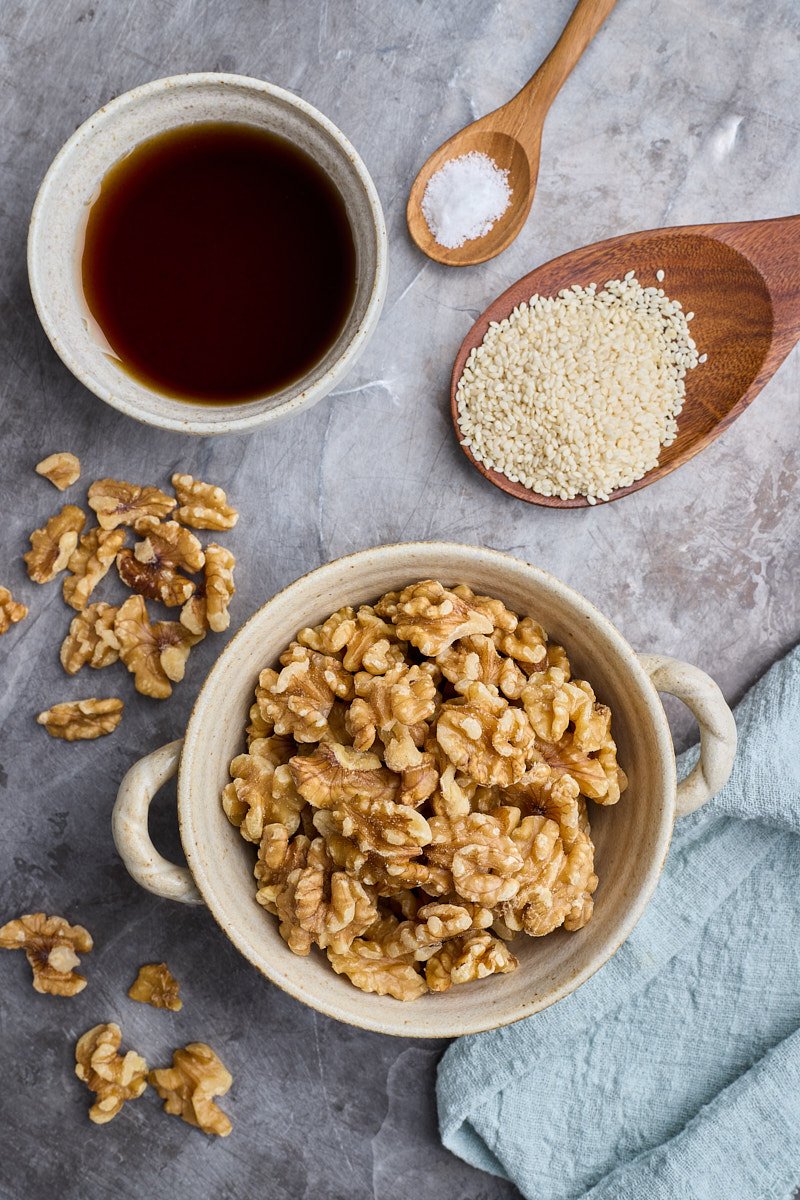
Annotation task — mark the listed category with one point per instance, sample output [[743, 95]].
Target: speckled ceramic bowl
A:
[[632, 837], [58, 223]]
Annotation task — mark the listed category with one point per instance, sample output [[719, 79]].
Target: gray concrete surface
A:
[[680, 112]]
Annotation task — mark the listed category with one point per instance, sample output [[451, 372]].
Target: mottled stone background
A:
[[681, 111]]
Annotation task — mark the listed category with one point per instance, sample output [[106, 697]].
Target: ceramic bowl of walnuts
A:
[[427, 789]]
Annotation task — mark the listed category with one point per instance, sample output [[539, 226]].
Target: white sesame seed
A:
[[576, 394], [660, 275]]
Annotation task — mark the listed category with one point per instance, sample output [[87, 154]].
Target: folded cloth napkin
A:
[[674, 1072]]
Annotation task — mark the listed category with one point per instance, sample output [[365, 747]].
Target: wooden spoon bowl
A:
[[742, 281]]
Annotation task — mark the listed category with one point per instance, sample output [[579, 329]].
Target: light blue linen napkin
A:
[[674, 1073]]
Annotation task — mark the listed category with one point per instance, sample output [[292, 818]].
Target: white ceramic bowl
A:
[[58, 223], [632, 837]]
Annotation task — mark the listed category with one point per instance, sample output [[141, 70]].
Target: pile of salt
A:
[[464, 198]]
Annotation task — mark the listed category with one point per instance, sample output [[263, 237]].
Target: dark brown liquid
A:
[[219, 262]]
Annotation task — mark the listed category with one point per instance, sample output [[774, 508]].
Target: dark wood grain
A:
[[741, 280]]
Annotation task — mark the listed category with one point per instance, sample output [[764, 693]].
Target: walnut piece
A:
[[321, 906], [156, 653], [11, 611], [156, 985], [219, 586], [152, 568], [260, 794], [367, 964], [117, 502], [51, 946], [62, 469], [476, 856], [432, 618], [396, 707], [202, 505], [89, 563], [466, 959], [332, 635], [113, 1077], [53, 544], [299, 699], [91, 639], [82, 720], [189, 1086], [484, 736], [477, 659]]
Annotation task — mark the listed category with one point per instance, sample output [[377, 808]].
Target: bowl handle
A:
[[702, 697], [129, 827]]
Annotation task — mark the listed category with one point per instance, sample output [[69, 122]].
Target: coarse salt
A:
[[464, 198]]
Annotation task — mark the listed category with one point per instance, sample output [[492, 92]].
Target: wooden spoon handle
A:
[[540, 91]]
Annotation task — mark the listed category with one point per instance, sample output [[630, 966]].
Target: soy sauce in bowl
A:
[[219, 263]]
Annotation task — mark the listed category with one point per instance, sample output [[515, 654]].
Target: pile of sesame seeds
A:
[[576, 394]]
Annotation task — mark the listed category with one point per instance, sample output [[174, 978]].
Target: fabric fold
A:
[[694, 1017]]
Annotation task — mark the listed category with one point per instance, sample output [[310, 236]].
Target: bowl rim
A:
[[38, 251], [407, 1023]]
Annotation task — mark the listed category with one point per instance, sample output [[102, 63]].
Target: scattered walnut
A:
[[431, 618], [152, 568], [484, 736], [202, 505], [219, 586], [53, 544], [189, 1086], [89, 563], [91, 639], [11, 611], [156, 985], [51, 946], [62, 469], [413, 780], [465, 959], [119, 503], [82, 720], [113, 1078], [155, 654], [367, 965]]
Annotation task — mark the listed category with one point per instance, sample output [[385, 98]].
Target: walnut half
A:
[[202, 505], [156, 985], [189, 1086], [82, 720], [53, 544], [113, 1077], [11, 610], [51, 945], [62, 469]]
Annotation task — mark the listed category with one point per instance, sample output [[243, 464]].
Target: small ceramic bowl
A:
[[58, 223], [632, 837]]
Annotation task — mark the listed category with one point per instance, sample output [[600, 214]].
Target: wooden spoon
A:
[[741, 280], [512, 136]]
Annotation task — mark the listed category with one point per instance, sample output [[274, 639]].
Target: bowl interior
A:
[[631, 837], [59, 221]]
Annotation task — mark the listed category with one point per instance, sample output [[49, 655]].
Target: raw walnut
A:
[[477, 659], [11, 611], [367, 965], [465, 959], [332, 635], [62, 469], [91, 639], [527, 643], [432, 924], [53, 544], [152, 568], [119, 503], [502, 618], [208, 607], [113, 1078], [598, 775], [299, 700], [81, 720], [154, 654], [156, 985], [321, 906], [556, 882], [373, 645], [89, 563], [475, 857], [260, 794], [432, 618], [189, 1086], [396, 707], [202, 505], [51, 947], [485, 737]]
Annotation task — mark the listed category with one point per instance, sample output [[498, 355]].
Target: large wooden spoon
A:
[[742, 281], [512, 136]]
